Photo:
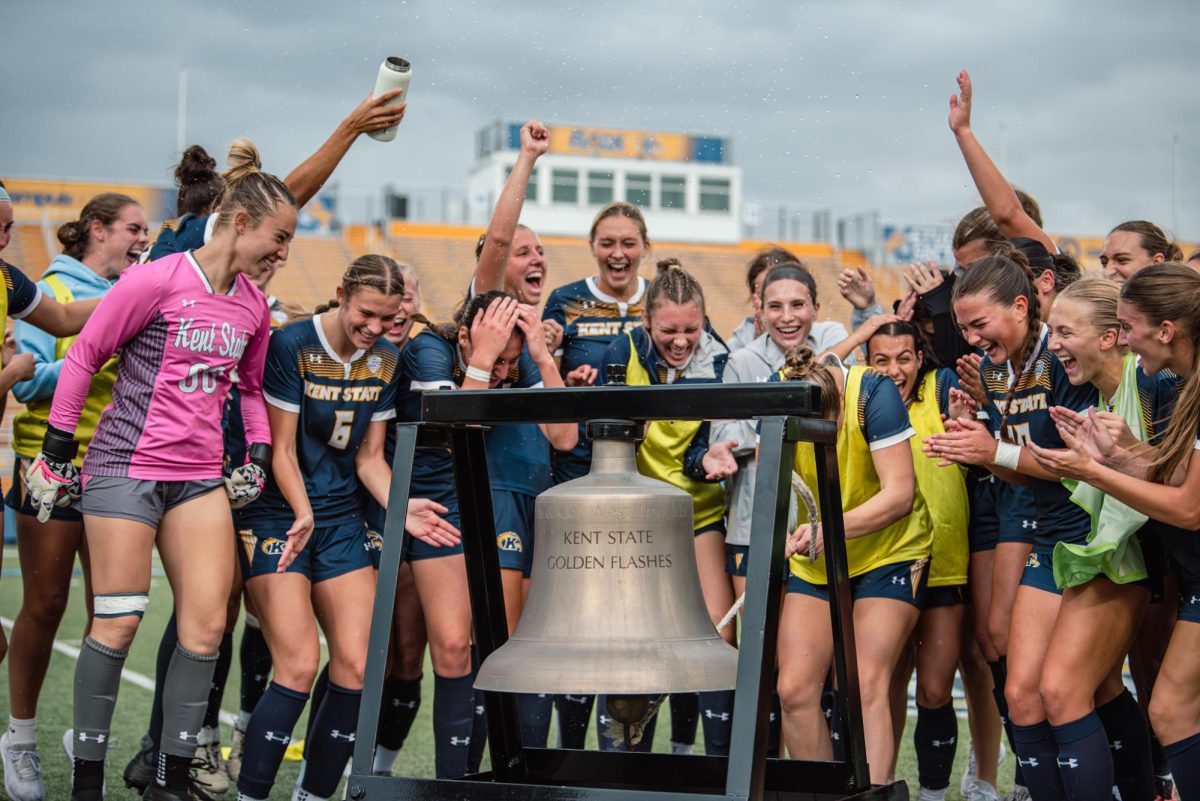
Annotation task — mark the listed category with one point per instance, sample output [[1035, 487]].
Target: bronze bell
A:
[[614, 604]]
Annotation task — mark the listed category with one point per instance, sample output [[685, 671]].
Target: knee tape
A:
[[121, 604]]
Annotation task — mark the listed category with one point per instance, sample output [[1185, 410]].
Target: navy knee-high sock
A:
[[534, 711], [453, 716], [1158, 757], [216, 693], [1184, 758], [400, 702], [320, 687], [999, 679], [1037, 752], [1129, 742], [166, 650], [1084, 760], [331, 740], [267, 738], [685, 714], [936, 742], [833, 717], [479, 731], [255, 659], [574, 715], [716, 715]]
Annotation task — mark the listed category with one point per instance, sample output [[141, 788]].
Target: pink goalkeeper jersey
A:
[[180, 341]]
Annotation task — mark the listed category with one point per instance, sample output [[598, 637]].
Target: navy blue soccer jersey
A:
[[518, 454], [1026, 418], [336, 402], [591, 320], [23, 294]]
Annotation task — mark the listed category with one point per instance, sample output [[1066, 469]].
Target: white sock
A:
[[209, 735], [243, 720], [932, 795], [385, 760], [22, 731], [681, 748]]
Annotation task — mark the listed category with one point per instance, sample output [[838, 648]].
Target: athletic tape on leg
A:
[[121, 604]]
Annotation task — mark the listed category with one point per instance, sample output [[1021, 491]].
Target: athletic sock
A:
[[216, 690], [331, 740], [399, 706], [533, 710], [162, 661], [1184, 758], [936, 741], [716, 715], [479, 730], [1037, 753], [1130, 745], [685, 717], [267, 738], [22, 731], [999, 671], [833, 717], [97, 680], [574, 715], [453, 718], [320, 687], [185, 699], [1084, 761], [255, 659], [1161, 769]]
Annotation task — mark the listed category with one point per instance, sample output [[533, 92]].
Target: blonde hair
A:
[[248, 188], [802, 365], [1101, 295]]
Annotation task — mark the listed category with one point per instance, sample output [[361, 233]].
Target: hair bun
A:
[[800, 362], [242, 160], [671, 263], [195, 167], [69, 233]]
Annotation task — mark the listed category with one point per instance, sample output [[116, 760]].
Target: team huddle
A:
[[1015, 444]]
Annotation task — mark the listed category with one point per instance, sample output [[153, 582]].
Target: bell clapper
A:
[[632, 713]]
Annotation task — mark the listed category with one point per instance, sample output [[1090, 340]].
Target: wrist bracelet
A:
[[476, 374], [1007, 455]]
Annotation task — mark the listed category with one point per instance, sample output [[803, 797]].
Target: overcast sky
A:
[[829, 104]]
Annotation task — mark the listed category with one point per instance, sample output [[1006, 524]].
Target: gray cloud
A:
[[834, 104]]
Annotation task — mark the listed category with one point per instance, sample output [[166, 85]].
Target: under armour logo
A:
[[901, 580], [1029, 524], [708, 713], [1115, 745], [1194, 599], [183, 735], [277, 737], [99, 738], [1068, 763], [771, 717], [338, 735], [479, 709], [940, 743], [578, 699], [460, 741], [835, 736], [828, 714], [605, 720], [314, 358], [1032, 762], [405, 704], [188, 302]]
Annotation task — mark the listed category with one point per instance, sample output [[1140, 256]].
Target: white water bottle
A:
[[394, 73]]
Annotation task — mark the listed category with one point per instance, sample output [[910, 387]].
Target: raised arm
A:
[[497, 240], [997, 193], [370, 115]]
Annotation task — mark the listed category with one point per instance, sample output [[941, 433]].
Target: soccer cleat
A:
[[982, 791], [1164, 787], [1019, 793], [968, 777], [139, 773], [193, 792], [237, 745], [22, 770], [208, 769], [87, 794]]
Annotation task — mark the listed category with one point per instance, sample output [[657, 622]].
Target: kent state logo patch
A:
[[374, 541], [374, 363], [248, 542], [737, 561], [273, 547], [509, 541], [1033, 561]]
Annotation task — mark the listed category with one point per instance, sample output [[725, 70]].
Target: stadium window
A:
[[714, 194], [564, 186], [673, 192], [600, 188], [637, 189], [530, 188]]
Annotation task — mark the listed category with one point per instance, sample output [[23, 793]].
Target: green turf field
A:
[[133, 705]]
